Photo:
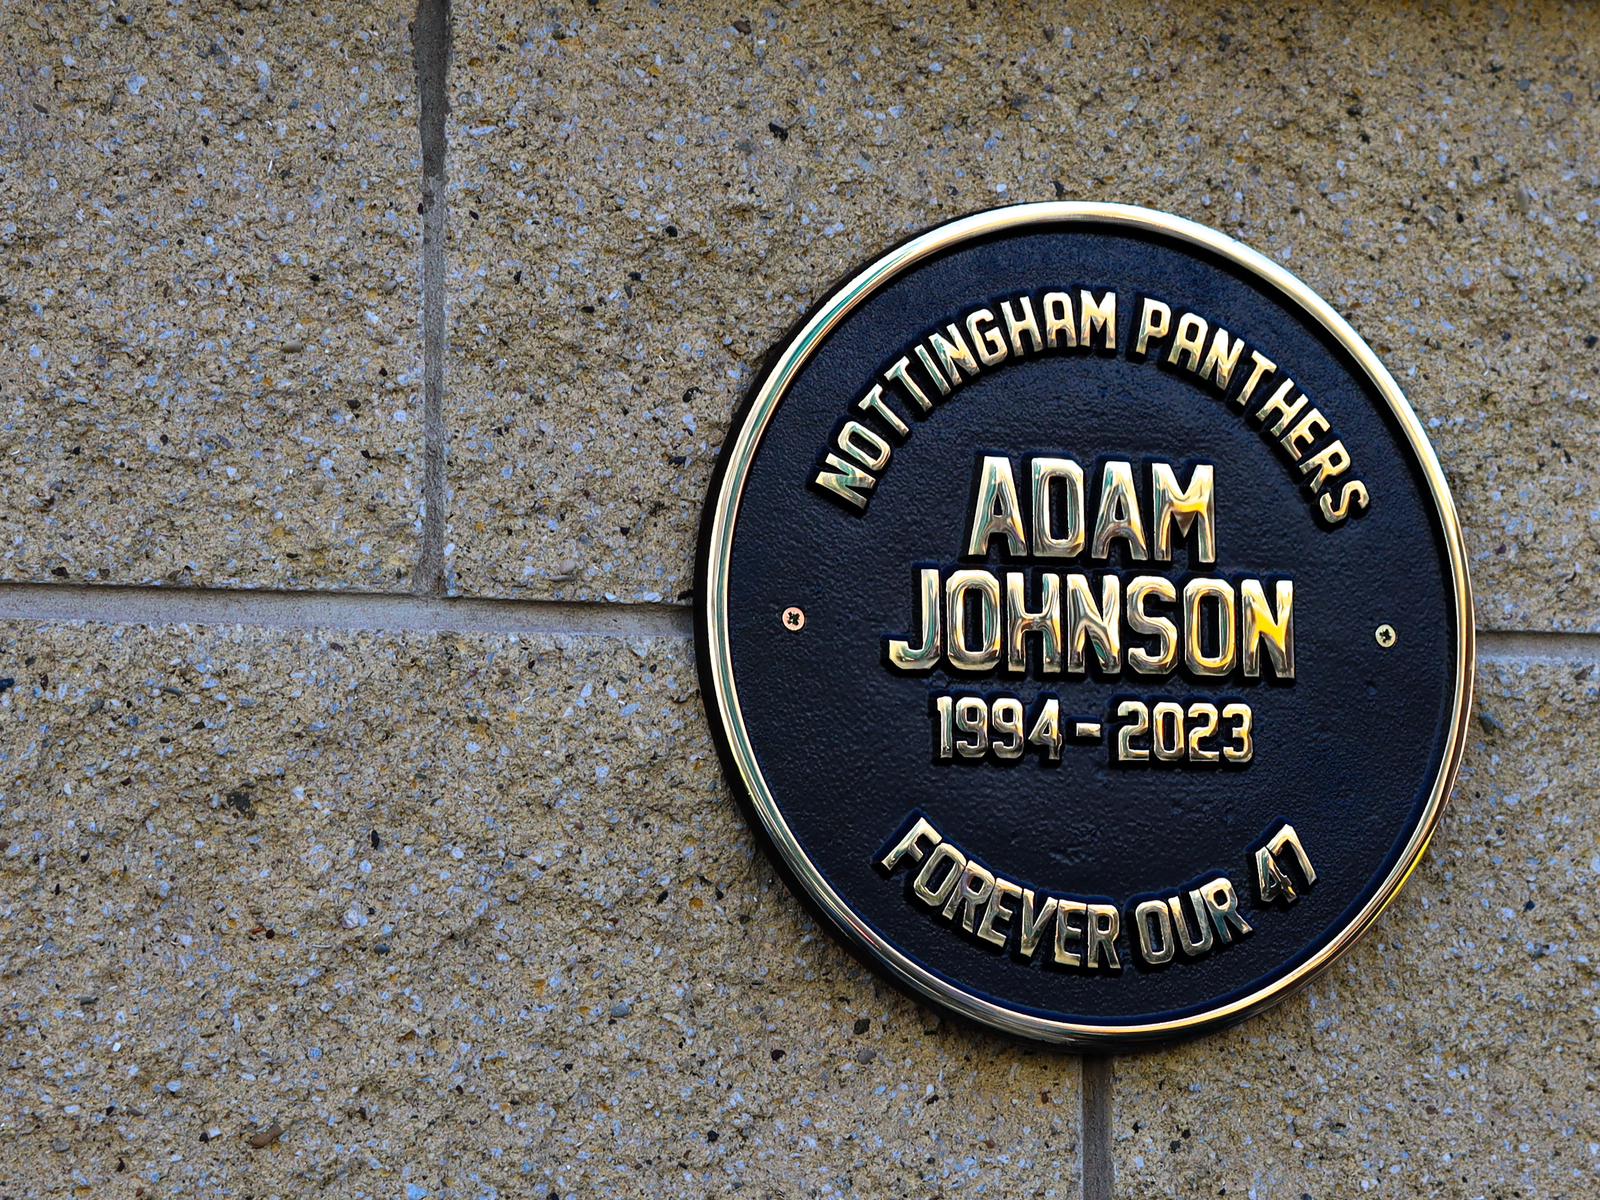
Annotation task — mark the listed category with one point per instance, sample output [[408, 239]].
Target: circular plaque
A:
[[1084, 621]]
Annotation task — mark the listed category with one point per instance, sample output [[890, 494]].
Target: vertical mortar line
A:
[[1095, 1129], [431, 42]]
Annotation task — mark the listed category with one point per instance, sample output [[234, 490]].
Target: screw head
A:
[[794, 619], [1386, 636]]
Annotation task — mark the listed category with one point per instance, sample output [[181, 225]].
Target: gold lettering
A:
[[1223, 906], [1192, 947], [922, 657], [1221, 359], [985, 337], [1102, 926], [1272, 883], [907, 846], [939, 380], [1140, 621], [1085, 622], [844, 480], [1004, 891], [1327, 463], [1261, 365], [1098, 315], [1190, 341], [1017, 326], [1195, 593], [975, 887], [1352, 496], [1156, 943], [996, 511], [962, 655], [866, 447], [1304, 432], [1155, 319], [873, 402], [1045, 621], [933, 897], [1034, 921], [1118, 515], [953, 353], [1046, 543], [1058, 319], [1262, 625], [1275, 404], [1067, 932], [899, 375], [1186, 508]]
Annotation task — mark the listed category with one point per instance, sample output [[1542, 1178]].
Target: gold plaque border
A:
[[712, 616]]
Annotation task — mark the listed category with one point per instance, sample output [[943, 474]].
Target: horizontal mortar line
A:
[[115, 604], [153, 604], [1497, 645]]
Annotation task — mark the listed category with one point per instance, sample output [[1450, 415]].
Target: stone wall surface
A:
[[208, 278], [393, 900], [462, 915]]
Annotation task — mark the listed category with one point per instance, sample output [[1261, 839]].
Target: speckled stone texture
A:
[[209, 250], [644, 198], [461, 917], [1453, 1053]]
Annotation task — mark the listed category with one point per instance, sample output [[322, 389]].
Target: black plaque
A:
[[1084, 621]]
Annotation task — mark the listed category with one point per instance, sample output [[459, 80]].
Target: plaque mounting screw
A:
[[1386, 636], [794, 618]]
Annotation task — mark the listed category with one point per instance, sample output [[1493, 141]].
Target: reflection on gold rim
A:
[[714, 601]]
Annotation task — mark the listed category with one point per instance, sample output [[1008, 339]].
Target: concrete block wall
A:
[[360, 832]]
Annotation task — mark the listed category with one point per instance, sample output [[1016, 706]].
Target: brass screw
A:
[[1386, 636], [794, 618]]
